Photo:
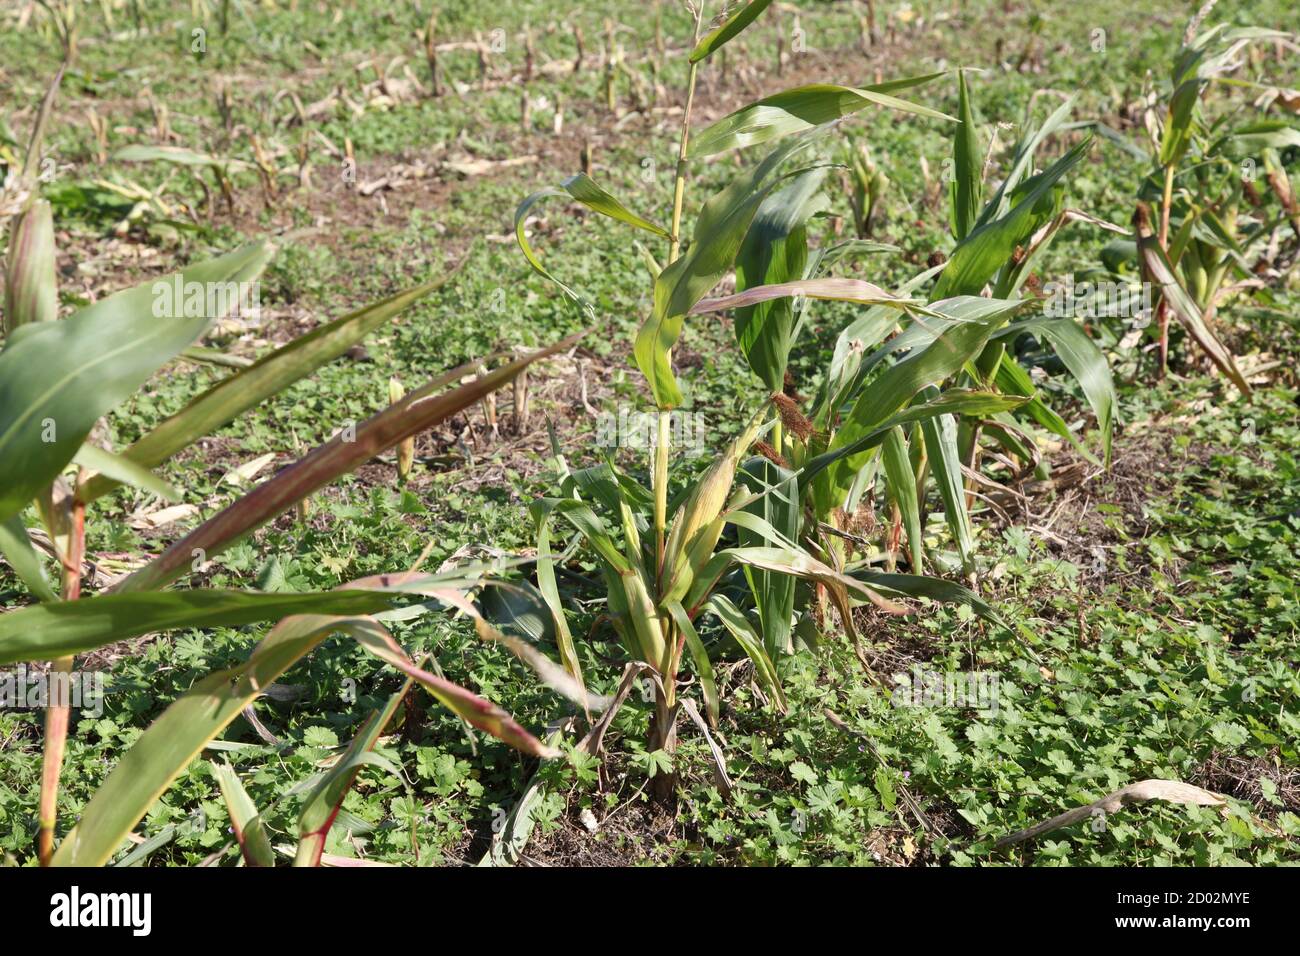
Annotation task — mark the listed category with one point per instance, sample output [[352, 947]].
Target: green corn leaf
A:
[[967, 184], [934, 322], [517, 609], [326, 798], [731, 28], [698, 522], [550, 591], [719, 231], [1011, 378], [800, 564], [1086, 363], [58, 378], [32, 159], [779, 506], [952, 401], [1253, 138], [756, 529], [700, 658], [119, 468], [250, 831], [1023, 162], [1179, 122], [580, 304], [586, 191], [17, 549], [177, 155], [944, 457], [1013, 276], [600, 483], [803, 108], [974, 320], [924, 586], [775, 250], [1230, 43], [644, 618], [706, 580], [989, 246], [268, 376], [588, 524], [862, 333], [957, 401], [1209, 229], [51, 630], [1004, 430], [740, 628], [31, 284], [901, 485]]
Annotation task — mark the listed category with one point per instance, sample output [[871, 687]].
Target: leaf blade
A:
[[802, 108], [729, 30], [58, 378]]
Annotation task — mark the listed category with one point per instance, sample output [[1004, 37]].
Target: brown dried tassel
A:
[[792, 417]]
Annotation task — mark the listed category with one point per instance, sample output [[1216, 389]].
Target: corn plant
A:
[[662, 557], [876, 422], [1212, 219], [58, 377], [945, 365], [998, 242], [31, 290], [955, 351], [868, 185], [997, 246]]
